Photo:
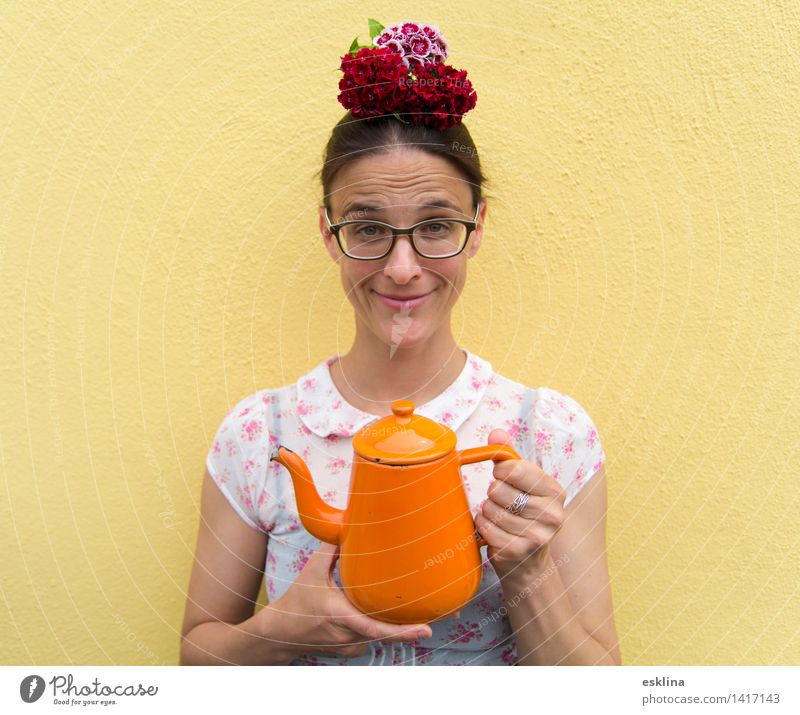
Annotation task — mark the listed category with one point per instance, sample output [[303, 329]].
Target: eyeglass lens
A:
[[368, 240]]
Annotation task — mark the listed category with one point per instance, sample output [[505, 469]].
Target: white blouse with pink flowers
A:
[[312, 418]]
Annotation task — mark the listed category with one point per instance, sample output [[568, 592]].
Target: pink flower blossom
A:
[[251, 430], [464, 632], [336, 465], [301, 559], [244, 496], [507, 656], [517, 429], [544, 440]]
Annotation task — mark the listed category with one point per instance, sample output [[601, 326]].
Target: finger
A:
[[505, 520], [322, 561], [500, 436], [410, 633], [373, 629], [325, 551], [525, 476], [537, 507], [497, 538], [352, 650]]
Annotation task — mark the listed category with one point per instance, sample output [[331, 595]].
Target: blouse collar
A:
[[323, 410]]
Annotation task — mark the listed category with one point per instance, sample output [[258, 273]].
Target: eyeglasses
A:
[[432, 238]]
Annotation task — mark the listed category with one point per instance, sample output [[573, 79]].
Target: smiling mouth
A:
[[402, 297], [403, 303]]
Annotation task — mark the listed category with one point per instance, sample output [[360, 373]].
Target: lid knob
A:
[[404, 438], [402, 408]]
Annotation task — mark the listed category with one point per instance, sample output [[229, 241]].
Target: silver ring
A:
[[518, 505]]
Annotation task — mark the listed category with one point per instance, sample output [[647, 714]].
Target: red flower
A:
[[447, 93], [373, 82], [376, 82]]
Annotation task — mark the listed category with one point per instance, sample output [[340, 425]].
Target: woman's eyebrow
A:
[[442, 204], [352, 208], [434, 203]]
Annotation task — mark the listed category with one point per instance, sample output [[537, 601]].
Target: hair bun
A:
[[403, 72]]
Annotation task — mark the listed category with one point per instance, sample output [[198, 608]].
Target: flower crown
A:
[[404, 71]]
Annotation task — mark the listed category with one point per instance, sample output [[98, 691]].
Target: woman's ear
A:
[[330, 242], [475, 239]]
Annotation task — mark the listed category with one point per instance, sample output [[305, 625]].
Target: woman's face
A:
[[399, 186]]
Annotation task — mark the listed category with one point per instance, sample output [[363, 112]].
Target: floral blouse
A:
[[312, 418]]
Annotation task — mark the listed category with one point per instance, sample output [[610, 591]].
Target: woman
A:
[[544, 597]]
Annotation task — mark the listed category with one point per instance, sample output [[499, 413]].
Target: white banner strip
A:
[[351, 690]]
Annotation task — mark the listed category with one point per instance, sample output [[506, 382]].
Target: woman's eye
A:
[[433, 230]]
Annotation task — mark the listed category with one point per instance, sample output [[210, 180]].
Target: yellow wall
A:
[[156, 169]]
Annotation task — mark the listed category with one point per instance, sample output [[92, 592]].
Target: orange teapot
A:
[[409, 550]]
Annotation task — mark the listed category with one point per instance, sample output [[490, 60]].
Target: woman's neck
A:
[[371, 377]]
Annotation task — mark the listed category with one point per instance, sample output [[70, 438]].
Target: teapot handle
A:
[[495, 452]]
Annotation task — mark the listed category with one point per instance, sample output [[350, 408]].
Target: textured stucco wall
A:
[[160, 260]]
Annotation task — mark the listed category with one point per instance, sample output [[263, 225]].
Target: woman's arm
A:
[[219, 626], [313, 615], [561, 611], [219, 643]]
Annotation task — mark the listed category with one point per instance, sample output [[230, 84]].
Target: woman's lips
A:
[[404, 305]]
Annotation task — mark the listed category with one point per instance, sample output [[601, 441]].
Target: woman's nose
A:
[[402, 264]]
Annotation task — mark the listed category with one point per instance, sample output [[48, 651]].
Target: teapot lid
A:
[[404, 438]]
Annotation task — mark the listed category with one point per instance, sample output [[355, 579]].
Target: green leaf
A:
[[399, 118], [375, 28], [354, 47]]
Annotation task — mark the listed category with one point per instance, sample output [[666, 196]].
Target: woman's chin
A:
[[404, 333]]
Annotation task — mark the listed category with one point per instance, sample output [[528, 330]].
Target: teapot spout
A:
[[320, 519]]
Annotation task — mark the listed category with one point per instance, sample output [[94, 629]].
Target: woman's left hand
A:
[[519, 544]]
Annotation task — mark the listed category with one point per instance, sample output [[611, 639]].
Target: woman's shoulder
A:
[[560, 433], [542, 401], [266, 398], [254, 413], [255, 402], [238, 457]]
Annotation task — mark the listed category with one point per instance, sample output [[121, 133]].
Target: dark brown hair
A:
[[353, 139]]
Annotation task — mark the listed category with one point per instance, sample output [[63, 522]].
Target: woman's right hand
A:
[[314, 615]]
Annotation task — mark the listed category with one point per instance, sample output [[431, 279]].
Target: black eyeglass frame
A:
[[471, 225]]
